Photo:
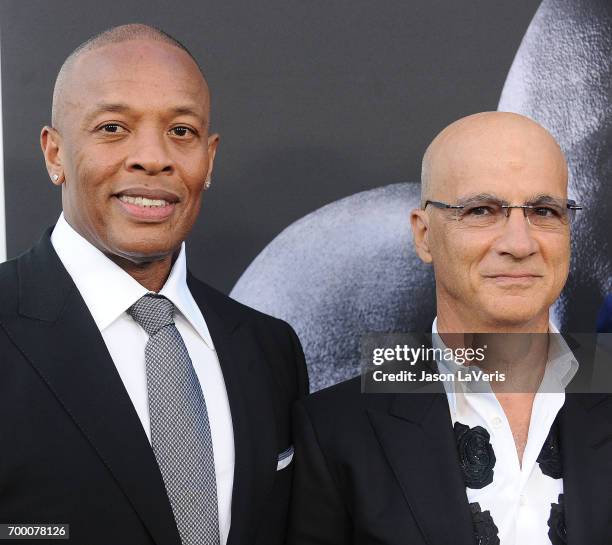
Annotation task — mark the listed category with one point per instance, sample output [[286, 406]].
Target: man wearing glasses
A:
[[529, 465]]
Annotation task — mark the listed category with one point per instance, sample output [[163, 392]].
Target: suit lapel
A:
[[418, 441], [247, 379], [58, 336], [417, 438], [586, 451]]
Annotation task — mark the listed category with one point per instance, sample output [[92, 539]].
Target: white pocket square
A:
[[284, 458]]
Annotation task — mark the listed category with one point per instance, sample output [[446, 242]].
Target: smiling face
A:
[[132, 148], [504, 277]]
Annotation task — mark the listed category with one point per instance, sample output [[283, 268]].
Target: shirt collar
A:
[[108, 291], [177, 291], [562, 364]]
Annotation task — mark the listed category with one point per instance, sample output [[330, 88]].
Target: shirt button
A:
[[522, 500], [496, 422]]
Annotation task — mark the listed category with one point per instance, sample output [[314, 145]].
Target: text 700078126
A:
[[34, 531]]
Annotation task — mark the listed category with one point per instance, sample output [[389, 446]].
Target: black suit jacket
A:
[[384, 469], [72, 449]]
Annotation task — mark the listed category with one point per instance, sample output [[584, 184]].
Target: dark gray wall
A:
[[314, 100]]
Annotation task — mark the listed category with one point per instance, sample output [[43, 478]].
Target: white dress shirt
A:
[[108, 292], [520, 497]]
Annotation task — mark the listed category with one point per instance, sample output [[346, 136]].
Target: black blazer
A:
[[384, 469], [72, 449]]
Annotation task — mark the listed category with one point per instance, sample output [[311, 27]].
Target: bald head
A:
[[494, 271], [131, 116], [65, 80], [483, 144]]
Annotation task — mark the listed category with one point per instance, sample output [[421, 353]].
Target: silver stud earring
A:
[[207, 184], [55, 177]]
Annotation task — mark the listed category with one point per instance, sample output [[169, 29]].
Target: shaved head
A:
[[486, 136], [131, 116], [494, 272], [114, 35]]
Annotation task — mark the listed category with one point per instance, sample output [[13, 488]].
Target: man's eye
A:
[[181, 131], [545, 212], [112, 128], [478, 211]]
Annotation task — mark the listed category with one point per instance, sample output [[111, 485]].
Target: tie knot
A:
[[152, 312]]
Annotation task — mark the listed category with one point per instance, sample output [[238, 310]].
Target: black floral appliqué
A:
[[476, 455], [485, 531], [557, 532], [549, 458]]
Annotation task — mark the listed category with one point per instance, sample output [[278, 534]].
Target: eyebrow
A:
[[478, 197], [122, 108], [105, 107], [185, 110], [539, 198], [544, 198]]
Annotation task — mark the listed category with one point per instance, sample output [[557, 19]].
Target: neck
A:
[[518, 351], [152, 274]]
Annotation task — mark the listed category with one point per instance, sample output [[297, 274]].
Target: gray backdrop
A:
[[349, 268], [314, 100]]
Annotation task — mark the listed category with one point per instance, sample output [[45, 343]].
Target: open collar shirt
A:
[[522, 501]]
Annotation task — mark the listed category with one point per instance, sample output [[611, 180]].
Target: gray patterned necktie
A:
[[180, 431]]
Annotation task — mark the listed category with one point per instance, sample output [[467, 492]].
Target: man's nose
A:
[[150, 154], [516, 238]]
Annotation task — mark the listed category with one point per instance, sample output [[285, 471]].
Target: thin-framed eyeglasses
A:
[[487, 211]]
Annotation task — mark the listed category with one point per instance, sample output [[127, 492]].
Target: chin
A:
[[513, 314], [139, 251]]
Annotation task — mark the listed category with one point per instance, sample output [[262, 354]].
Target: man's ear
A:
[[213, 142], [51, 143], [419, 220]]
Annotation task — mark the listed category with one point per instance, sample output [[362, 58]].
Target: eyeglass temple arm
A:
[[439, 204]]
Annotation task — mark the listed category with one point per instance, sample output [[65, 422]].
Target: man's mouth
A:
[[514, 279], [514, 276], [145, 204], [143, 201]]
